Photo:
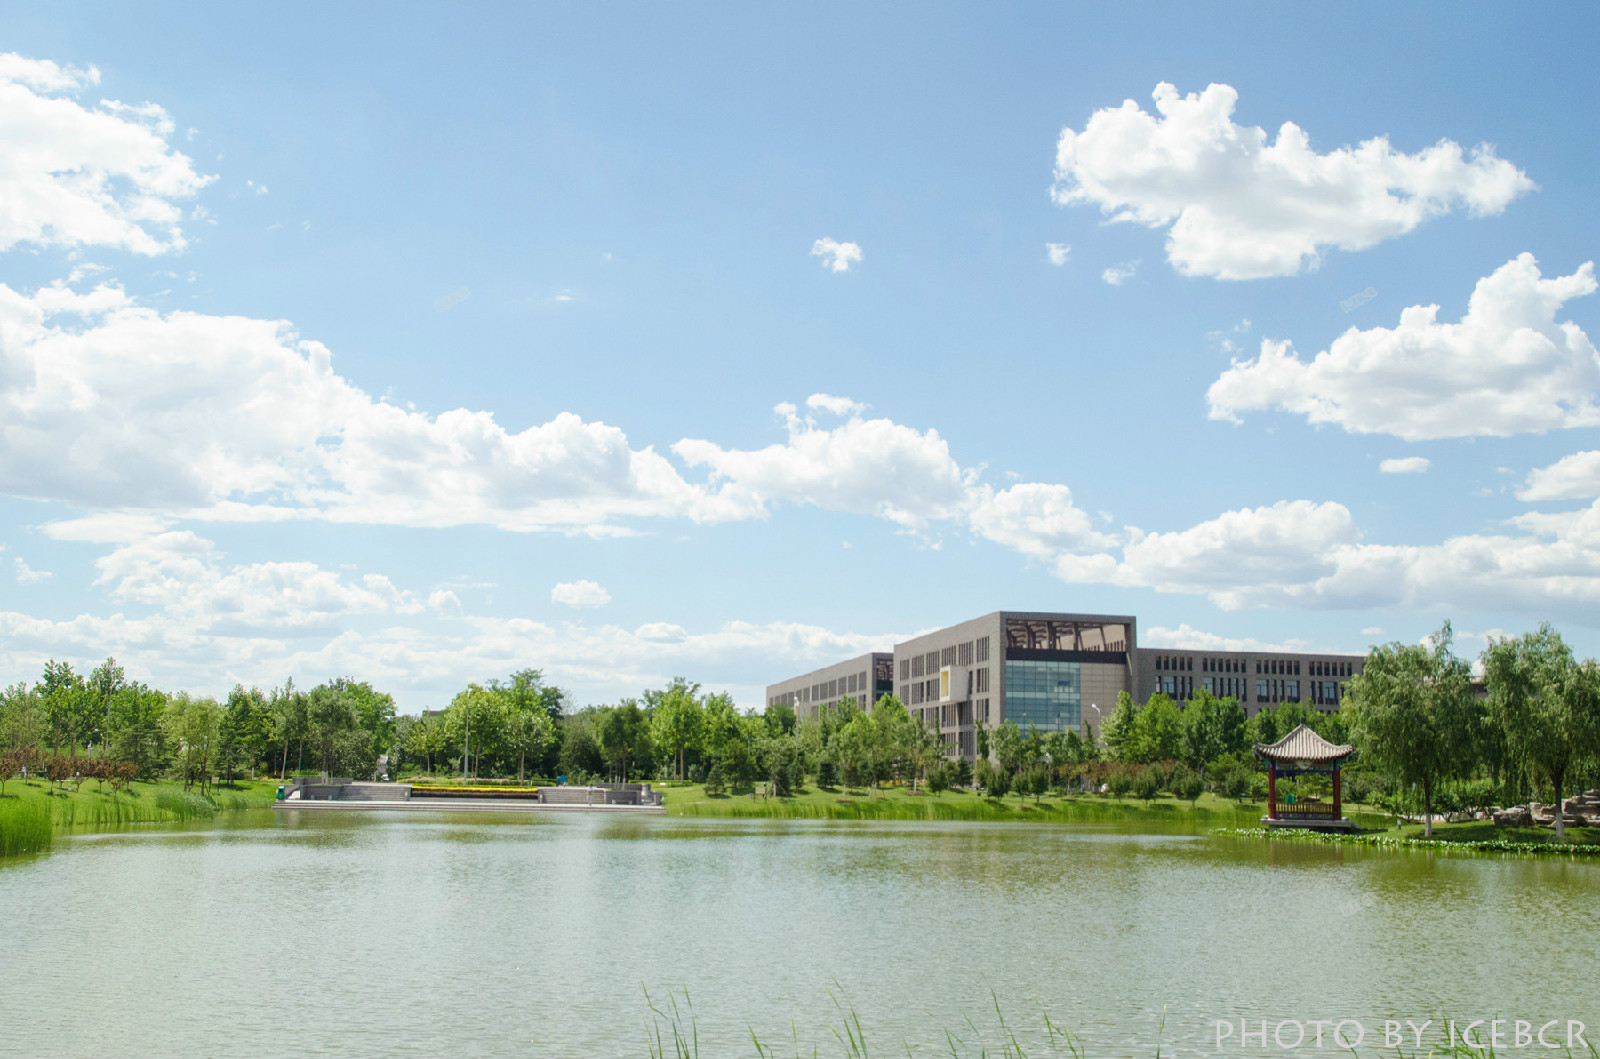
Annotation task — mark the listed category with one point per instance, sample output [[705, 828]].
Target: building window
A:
[[947, 657], [905, 669], [1046, 695], [981, 649], [916, 666], [964, 654], [982, 679]]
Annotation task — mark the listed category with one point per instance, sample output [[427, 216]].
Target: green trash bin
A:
[[280, 792]]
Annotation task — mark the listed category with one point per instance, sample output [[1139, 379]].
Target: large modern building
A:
[[863, 679], [1053, 672]]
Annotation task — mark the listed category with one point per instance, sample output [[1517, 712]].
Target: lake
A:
[[391, 934]]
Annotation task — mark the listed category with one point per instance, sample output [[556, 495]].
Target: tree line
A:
[[1427, 733]]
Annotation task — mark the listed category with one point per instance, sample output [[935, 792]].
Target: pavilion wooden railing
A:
[[1302, 810]]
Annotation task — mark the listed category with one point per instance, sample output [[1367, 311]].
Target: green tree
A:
[[243, 732], [136, 727], [1188, 785], [1212, 727], [1120, 732], [1411, 714], [855, 751], [425, 739], [66, 704], [529, 733], [780, 718], [675, 717], [624, 736], [580, 751], [719, 728], [22, 718], [331, 713], [1010, 747], [192, 726], [105, 681], [1159, 730], [1547, 703], [290, 716], [475, 720]]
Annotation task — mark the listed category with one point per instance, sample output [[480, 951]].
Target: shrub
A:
[[999, 784], [939, 778], [714, 781], [1147, 784], [1120, 782], [1035, 781], [962, 776], [1188, 785], [827, 774]]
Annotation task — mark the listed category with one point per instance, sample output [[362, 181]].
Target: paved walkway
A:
[[460, 805]]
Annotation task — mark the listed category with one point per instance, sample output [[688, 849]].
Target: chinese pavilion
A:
[[1304, 753]]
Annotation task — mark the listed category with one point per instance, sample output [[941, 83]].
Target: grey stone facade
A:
[[864, 678], [1057, 670]]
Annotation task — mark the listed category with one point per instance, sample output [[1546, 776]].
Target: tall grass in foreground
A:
[[31, 810], [672, 1032], [24, 826]]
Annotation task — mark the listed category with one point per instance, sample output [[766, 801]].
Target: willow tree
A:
[[1547, 704], [1412, 714]]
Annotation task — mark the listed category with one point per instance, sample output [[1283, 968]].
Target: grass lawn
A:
[[1486, 831], [25, 806], [899, 803]]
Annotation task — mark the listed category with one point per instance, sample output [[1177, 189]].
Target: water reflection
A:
[[493, 935]]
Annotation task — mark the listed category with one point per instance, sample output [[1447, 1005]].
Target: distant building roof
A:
[[1303, 744]]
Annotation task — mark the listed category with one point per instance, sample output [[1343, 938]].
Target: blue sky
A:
[[422, 345]]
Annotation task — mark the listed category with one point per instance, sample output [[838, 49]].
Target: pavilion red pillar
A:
[[1272, 789], [1337, 812]]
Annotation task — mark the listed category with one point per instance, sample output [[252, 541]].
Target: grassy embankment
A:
[[1479, 836], [899, 803], [32, 813]]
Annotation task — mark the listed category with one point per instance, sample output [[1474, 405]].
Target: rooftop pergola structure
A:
[[1304, 753]]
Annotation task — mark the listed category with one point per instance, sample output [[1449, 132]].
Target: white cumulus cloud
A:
[[1508, 367], [1238, 205], [113, 406], [1187, 638], [836, 256], [866, 466], [1056, 253], [839, 406], [26, 575], [74, 175], [580, 594], [1117, 275], [1405, 465], [1301, 554], [1574, 477], [1037, 519]]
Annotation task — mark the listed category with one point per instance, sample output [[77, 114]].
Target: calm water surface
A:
[[380, 934]]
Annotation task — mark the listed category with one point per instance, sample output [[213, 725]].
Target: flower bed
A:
[[475, 792]]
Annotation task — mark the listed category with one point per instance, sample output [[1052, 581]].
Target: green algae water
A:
[[384, 934]]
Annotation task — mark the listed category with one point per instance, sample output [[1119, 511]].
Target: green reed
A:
[[24, 826]]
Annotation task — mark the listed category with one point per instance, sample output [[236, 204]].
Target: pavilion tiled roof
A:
[[1303, 744]]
